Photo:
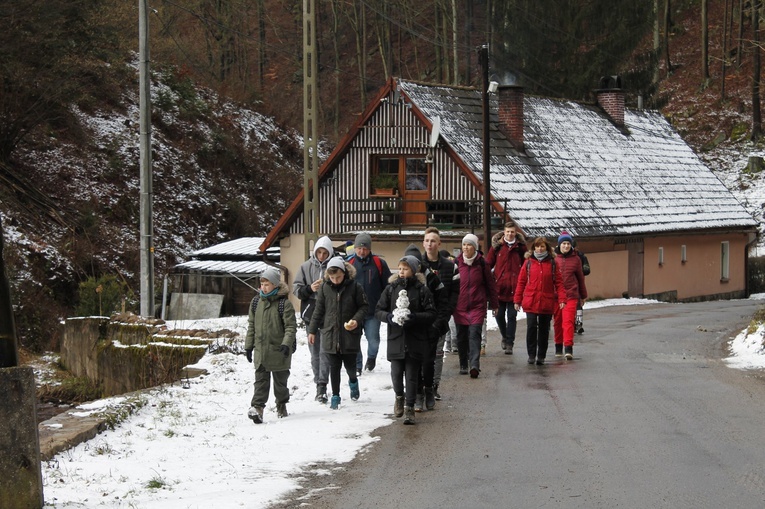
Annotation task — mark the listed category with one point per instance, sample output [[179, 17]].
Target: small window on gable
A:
[[661, 256], [725, 261], [683, 254]]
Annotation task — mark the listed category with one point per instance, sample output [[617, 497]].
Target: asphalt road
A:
[[646, 416]]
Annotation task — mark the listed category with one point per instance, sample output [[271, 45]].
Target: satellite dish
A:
[[435, 132]]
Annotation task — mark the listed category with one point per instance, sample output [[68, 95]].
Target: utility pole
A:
[[9, 356], [147, 194], [484, 59], [310, 155]]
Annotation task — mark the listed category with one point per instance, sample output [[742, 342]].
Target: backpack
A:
[[280, 305], [375, 259], [585, 263]]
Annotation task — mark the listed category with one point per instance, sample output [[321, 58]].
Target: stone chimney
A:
[[610, 98], [511, 113]]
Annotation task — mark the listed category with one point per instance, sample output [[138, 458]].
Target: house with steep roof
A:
[[653, 220]]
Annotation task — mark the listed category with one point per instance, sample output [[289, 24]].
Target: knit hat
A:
[[470, 239], [336, 262], [273, 275], [565, 237], [413, 263], [363, 240], [411, 250]]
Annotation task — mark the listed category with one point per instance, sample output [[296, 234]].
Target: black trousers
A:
[[537, 335]]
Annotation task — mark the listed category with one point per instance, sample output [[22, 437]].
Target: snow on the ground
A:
[[196, 448], [748, 349]]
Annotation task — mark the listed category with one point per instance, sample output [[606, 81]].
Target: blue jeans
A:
[[372, 333], [506, 321], [469, 345]]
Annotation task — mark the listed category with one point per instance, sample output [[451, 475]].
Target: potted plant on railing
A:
[[384, 184]]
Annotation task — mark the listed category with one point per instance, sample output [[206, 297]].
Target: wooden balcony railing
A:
[[396, 213]]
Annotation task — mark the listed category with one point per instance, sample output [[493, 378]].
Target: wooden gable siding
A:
[[392, 130]]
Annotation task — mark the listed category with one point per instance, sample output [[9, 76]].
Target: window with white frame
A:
[[725, 260], [661, 256], [683, 254]]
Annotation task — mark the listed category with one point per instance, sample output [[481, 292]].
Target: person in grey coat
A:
[[341, 307], [270, 339], [307, 282]]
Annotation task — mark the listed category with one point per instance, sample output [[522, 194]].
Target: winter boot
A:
[[418, 402], [355, 393], [371, 363], [570, 352], [559, 349], [321, 393], [474, 372], [508, 349], [256, 414], [398, 406], [436, 394], [281, 410], [408, 415], [430, 398], [335, 404], [483, 350]]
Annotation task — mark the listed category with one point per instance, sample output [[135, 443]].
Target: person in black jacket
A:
[[341, 307], [407, 306]]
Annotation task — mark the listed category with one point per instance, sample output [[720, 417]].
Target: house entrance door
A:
[[416, 192]]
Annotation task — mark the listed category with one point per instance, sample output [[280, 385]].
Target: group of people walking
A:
[[343, 297]]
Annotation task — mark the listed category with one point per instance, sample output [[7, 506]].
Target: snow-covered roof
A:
[[240, 257], [245, 247], [239, 268], [581, 172]]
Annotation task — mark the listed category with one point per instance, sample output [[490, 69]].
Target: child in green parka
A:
[[270, 339]]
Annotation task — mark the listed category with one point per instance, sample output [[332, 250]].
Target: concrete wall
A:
[[20, 474], [123, 358]]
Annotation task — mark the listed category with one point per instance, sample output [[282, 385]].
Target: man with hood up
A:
[[307, 282]]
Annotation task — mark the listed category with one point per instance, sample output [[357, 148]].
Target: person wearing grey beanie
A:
[[372, 273]]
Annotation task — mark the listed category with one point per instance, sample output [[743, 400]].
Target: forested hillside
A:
[[227, 109]]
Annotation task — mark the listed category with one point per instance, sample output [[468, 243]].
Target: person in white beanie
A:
[[269, 343], [477, 288]]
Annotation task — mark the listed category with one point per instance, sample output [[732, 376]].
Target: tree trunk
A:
[[437, 42], [740, 45], [336, 55], [724, 50], [261, 45], [756, 118], [667, 27], [455, 38], [704, 43], [468, 52]]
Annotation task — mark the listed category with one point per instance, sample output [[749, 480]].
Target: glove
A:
[[248, 353], [389, 319], [409, 320], [285, 350]]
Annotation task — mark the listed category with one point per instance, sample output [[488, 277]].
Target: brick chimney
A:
[[610, 98], [511, 113]]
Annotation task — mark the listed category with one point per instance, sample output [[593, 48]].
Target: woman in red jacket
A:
[[570, 266], [539, 292]]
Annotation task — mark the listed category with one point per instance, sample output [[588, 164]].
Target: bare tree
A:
[[756, 116], [704, 43], [724, 50], [667, 28]]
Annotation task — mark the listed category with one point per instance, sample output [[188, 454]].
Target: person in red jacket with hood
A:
[[506, 258], [570, 265], [540, 291]]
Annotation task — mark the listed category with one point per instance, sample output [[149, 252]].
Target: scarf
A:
[[540, 257], [269, 294], [469, 261]]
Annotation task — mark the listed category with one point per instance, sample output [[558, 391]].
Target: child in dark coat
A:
[[341, 305], [406, 305]]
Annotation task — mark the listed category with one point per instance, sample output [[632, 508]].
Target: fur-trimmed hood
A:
[[420, 277], [496, 240], [350, 272]]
